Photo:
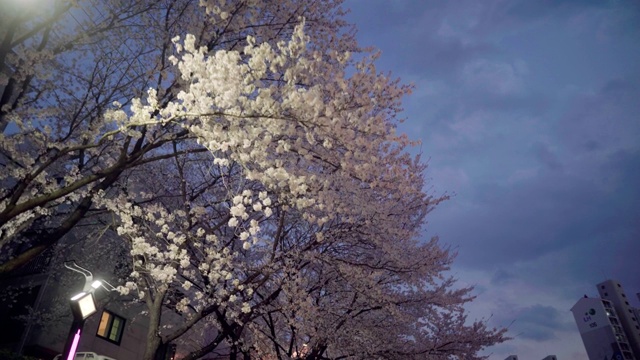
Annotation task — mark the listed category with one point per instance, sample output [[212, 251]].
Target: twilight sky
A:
[[530, 114]]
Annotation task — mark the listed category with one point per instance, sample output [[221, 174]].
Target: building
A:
[[600, 329], [614, 292], [608, 325], [35, 313], [38, 323]]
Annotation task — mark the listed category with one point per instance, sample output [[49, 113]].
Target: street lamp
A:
[[83, 305]]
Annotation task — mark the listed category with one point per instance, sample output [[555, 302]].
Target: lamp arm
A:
[[88, 276], [71, 265], [105, 285]]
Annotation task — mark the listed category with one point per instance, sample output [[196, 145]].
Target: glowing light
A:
[[96, 284], [78, 296], [74, 346], [83, 305], [87, 306]]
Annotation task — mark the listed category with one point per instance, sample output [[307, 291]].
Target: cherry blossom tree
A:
[[65, 63], [247, 154]]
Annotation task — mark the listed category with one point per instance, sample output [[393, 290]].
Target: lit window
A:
[[111, 327]]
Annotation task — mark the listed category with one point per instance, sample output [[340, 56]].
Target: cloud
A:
[[501, 277], [531, 10], [546, 156], [416, 37], [605, 121], [529, 112], [540, 322], [559, 183], [455, 177], [514, 298], [500, 224], [498, 78]]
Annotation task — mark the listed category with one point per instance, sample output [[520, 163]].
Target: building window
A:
[[606, 294], [626, 302], [602, 286], [619, 285], [111, 327], [623, 295]]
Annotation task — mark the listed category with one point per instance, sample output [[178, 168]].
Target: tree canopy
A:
[[246, 155]]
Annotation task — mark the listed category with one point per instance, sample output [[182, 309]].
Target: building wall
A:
[[133, 339], [133, 336], [55, 286], [600, 344], [614, 292], [599, 328]]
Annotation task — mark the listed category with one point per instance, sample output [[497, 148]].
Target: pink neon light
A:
[[74, 346]]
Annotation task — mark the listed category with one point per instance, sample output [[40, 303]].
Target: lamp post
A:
[[83, 305]]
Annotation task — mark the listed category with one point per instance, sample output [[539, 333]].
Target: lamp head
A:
[[83, 305]]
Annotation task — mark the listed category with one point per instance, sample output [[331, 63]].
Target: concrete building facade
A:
[[608, 325], [614, 292]]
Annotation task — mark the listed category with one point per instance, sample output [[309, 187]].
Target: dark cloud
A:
[[622, 171], [437, 57], [547, 213], [578, 186], [501, 277], [546, 156], [529, 113], [539, 9], [379, 15], [619, 88], [605, 120], [532, 104], [540, 322], [620, 20], [410, 34]]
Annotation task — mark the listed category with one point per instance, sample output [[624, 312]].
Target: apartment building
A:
[[608, 324]]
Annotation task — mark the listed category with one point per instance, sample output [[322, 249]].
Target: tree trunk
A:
[[154, 341]]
